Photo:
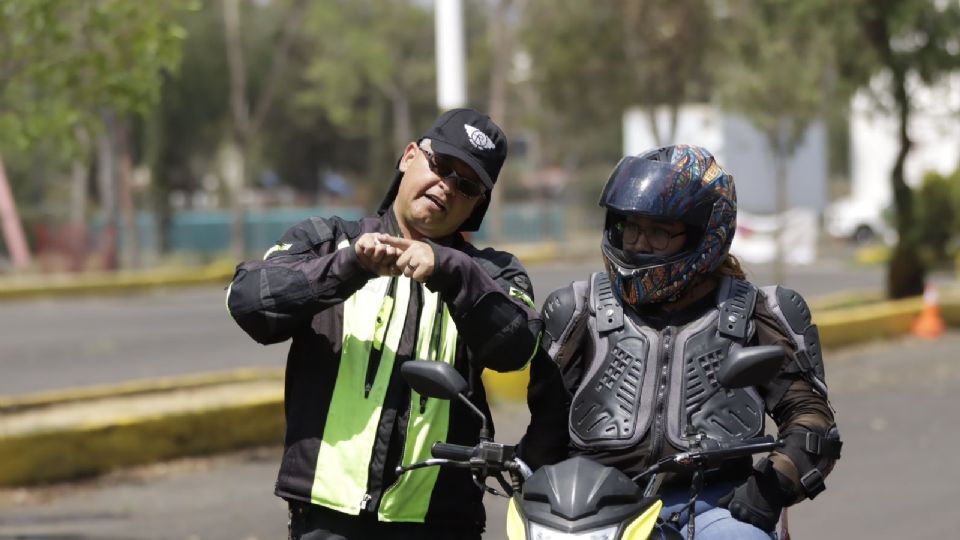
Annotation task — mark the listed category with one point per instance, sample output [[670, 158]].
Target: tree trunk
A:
[[234, 172], [158, 160], [780, 208], [234, 169], [130, 246], [78, 215], [906, 273], [246, 124], [402, 124], [107, 187], [501, 36]]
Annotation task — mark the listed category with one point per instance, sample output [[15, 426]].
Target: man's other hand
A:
[[416, 260], [377, 256]]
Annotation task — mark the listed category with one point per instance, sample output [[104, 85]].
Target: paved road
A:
[[898, 477], [61, 343], [68, 342]]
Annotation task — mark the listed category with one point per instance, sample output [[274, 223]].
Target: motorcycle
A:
[[580, 499]]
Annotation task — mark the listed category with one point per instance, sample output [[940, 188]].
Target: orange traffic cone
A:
[[929, 324]]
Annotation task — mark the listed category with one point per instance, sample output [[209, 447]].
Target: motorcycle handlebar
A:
[[452, 451], [726, 450], [711, 452]]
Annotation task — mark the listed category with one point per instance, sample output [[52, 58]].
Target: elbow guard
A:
[[814, 455]]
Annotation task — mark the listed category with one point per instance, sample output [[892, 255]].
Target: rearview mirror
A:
[[751, 366], [433, 379]]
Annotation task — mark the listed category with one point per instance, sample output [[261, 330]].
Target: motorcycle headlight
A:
[[540, 532]]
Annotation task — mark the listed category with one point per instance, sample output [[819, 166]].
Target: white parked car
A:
[[754, 241], [859, 221]]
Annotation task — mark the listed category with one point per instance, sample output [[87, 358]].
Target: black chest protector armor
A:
[[642, 387]]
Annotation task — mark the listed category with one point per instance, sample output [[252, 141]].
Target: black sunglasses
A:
[[442, 166]]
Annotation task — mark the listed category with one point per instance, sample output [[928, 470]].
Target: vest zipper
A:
[[656, 444]]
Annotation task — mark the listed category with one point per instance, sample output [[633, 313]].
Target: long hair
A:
[[731, 267]]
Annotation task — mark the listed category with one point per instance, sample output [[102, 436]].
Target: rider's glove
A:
[[758, 501]]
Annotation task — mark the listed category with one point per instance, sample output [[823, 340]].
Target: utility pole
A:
[[451, 54]]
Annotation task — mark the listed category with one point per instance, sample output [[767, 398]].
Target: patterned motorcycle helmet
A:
[[682, 183]]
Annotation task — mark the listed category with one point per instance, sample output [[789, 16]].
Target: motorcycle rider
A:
[[633, 352]]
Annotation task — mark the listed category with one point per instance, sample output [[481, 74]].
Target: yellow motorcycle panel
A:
[[640, 528], [516, 530]]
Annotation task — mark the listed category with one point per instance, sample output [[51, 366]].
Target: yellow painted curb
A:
[[161, 384], [881, 320], [112, 283], [50, 456], [64, 435]]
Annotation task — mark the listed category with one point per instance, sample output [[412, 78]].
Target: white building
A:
[[743, 151]]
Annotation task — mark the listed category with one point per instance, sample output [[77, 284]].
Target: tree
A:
[[64, 65], [592, 61], [918, 38], [779, 69], [63, 62], [190, 123], [372, 73], [247, 117]]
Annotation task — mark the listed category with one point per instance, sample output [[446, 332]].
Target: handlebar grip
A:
[[451, 451]]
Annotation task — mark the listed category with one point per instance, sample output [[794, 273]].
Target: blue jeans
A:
[[710, 522]]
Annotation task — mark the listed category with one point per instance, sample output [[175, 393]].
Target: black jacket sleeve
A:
[[555, 374], [491, 302], [805, 420], [304, 273]]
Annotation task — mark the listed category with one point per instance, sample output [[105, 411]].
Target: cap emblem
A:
[[478, 139]]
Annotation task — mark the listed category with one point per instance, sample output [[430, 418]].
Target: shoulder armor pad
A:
[[794, 308], [563, 314], [790, 308]]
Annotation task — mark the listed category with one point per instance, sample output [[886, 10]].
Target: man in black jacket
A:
[[359, 298]]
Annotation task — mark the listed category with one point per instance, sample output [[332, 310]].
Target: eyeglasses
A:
[[442, 166], [658, 237]]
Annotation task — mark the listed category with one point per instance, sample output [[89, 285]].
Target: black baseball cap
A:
[[473, 138]]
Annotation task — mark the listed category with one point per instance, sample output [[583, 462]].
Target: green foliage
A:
[[937, 213], [361, 45], [63, 62], [592, 60], [780, 64], [365, 85]]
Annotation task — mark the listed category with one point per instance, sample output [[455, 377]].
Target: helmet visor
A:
[[643, 186]]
